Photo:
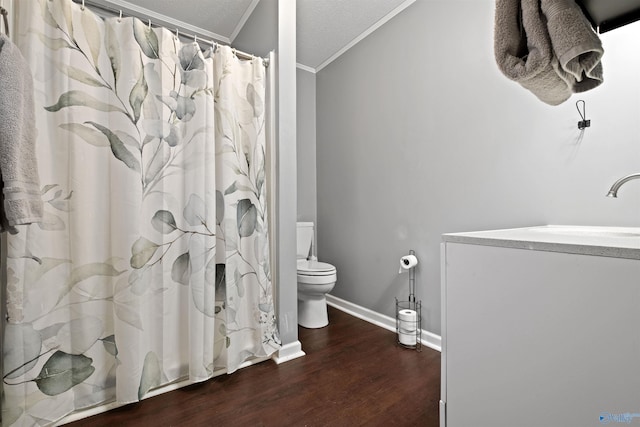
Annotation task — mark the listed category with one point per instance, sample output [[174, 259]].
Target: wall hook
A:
[[4, 12], [584, 123]]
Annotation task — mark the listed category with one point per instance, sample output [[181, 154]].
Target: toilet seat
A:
[[315, 268]]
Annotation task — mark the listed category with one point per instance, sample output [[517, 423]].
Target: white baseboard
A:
[[288, 352], [427, 338]]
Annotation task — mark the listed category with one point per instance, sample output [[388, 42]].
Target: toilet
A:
[[315, 280]]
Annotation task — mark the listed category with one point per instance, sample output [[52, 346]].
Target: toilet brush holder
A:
[[408, 324]]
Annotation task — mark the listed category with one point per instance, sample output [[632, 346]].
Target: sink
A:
[[589, 231], [621, 242], [528, 307]]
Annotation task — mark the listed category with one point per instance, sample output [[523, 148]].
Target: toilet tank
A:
[[304, 239]]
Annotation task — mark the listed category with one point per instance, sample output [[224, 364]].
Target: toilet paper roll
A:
[[407, 262], [407, 338], [407, 330], [407, 321], [408, 327], [407, 314]]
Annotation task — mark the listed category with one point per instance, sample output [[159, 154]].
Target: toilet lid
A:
[[315, 268]]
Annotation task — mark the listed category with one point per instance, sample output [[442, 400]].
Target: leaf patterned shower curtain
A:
[[152, 263]]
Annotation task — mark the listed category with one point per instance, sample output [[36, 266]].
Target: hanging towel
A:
[[22, 202], [575, 43], [523, 51]]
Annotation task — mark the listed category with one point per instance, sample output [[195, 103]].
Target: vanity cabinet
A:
[[540, 331]]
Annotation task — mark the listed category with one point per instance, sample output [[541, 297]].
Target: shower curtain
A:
[[152, 262]]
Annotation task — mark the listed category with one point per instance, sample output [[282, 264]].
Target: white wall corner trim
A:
[[288, 352], [305, 68], [368, 31], [243, 20], [427, 338]]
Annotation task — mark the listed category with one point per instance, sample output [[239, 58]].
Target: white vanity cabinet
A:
[[541, 328]]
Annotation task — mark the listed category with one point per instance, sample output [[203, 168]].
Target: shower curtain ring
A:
[[82, 8], [177, 34], [120, 17], [149, 23]]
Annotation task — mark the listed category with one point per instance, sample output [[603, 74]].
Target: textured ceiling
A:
[[220, 16], [211, 19], [325, 28]]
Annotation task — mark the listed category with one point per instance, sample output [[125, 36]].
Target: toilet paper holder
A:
[[409, 315], [409, 324]]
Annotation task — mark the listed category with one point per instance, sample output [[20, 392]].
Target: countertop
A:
[[616, 242]]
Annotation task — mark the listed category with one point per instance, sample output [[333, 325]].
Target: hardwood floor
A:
[[354, 374]]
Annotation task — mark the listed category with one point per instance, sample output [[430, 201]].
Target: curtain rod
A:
[[180, 31]]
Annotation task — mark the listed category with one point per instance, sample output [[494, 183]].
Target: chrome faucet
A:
[[613, 191]]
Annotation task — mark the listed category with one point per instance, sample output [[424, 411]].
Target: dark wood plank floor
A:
[[354, 374]]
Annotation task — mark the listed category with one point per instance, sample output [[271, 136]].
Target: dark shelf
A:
[[607, 15]]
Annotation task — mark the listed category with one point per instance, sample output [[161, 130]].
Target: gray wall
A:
[[306, 146], [259, 35], [419, 134]]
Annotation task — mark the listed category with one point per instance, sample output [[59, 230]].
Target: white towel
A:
[[22, 201]]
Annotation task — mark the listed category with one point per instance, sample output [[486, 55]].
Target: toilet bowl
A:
[[315, 280]]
